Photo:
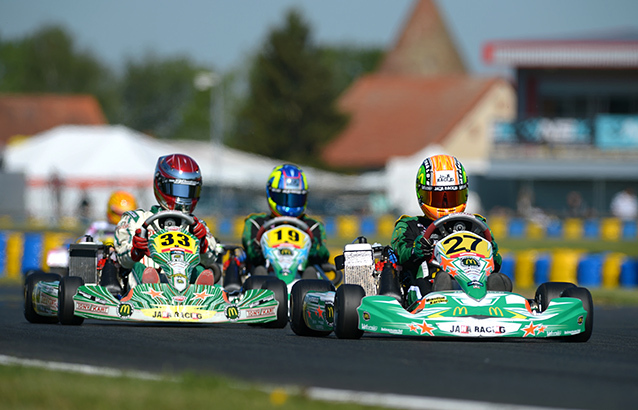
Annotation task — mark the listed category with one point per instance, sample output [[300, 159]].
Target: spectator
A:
[[576, 207], [624, 204]]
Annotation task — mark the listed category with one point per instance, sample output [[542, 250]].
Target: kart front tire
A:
[[297, 311], [585, 296], [66, 307], [550, 290], [29, 284], [347, 300], [280, 289]]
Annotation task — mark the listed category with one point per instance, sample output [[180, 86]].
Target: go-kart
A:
[[50, 298], [461, 302], [285, 243]]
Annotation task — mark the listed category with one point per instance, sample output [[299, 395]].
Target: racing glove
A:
[[422, 248], [140, 246], [199, 230]]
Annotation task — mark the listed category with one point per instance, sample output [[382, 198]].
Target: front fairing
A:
[[176, 251], [286, 249], [469, 259]]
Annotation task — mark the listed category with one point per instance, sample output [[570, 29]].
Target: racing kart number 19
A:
[[465, 242], [284, 234], [171, 240]]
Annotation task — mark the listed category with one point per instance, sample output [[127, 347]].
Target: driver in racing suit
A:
[[287, 192], [441, 188], [177, 184]]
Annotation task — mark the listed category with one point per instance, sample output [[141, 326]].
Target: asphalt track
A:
[[599, 374]]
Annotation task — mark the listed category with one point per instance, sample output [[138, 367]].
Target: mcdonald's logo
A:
[[495, 311], [460, 310], [232, 312], [125, 310]]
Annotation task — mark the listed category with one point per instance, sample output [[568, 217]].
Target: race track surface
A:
[[599, 374]]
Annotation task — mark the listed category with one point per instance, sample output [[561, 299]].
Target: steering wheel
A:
[[449, 224], [283, 220], [166, 218]]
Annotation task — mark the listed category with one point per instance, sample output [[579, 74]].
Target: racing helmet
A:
[[177, 182], [119, 202], [441, 186], [287, 191]]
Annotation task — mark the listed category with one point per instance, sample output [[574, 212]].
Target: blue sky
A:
[[222, 33]]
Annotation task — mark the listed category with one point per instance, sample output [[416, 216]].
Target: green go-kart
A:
[[463, 300], [51, 298]]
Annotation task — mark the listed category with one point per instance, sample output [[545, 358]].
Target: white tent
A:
[[100, 159]]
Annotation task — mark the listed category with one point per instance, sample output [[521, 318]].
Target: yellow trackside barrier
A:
[[211, 222], [535, 230], [610, 229], [238, 226], [15, 245], [564, 266], [524, 269], [347, 227], [498, 226], [385, 226], [611, 269], [573, 228]]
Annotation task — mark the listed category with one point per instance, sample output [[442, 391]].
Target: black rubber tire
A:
[[260, 271], [280, 289], [443, 281], [68, 288], [297, 313], [550, 290], [310, 273], [585, 296], [29, 284], [498, 281], [256, 282], [347, 300]]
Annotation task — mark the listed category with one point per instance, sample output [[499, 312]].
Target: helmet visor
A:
[[287, 198], [443, 199], [174, 188]]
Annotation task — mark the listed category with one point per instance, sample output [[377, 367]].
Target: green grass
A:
[[33, 388]]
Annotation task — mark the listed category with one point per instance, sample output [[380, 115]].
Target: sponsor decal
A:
[[554, 333], [365, 326], [392, 331], [571, 332], [330, 313], [475, 283], [312, 299], [232, 312], [179, 299], [202, 295], [469, 262], [125, 310], [167, 314], [478, 330], [265, 311], [580, 320], [435, 300], [495, 311], [459, 310], [48, 301], [531, 329], [154, 293], [366, 316], [91, 308], [445, 178]]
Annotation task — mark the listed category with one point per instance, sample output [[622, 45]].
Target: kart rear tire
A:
[[256, 282], [280, 289], [550, 290], [585, 296], [260, 271], [443, 281], [499, 282], [29, 284], [347, 300], [66, 307], [297, 312], [232, 279]]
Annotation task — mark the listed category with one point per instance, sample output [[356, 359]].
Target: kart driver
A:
[[104, 231], [177, 184], [287, 192], [441, 188]]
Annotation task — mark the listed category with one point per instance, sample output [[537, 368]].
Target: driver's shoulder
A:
[[407, 219], [480, 217]]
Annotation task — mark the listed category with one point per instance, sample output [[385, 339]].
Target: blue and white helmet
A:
[[287, 191]]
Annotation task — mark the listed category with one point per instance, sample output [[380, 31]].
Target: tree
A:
[[49, 62], [290, 111], [159, 98]]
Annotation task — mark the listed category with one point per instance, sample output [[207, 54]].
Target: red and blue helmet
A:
[[177, 182], [287, 191]]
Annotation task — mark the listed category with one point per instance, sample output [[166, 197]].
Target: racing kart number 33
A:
[[171, 240], [284, 234], [465, 242]]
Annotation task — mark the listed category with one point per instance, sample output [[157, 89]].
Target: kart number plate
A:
[[465, 242], [175, 240], [285, 235]]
